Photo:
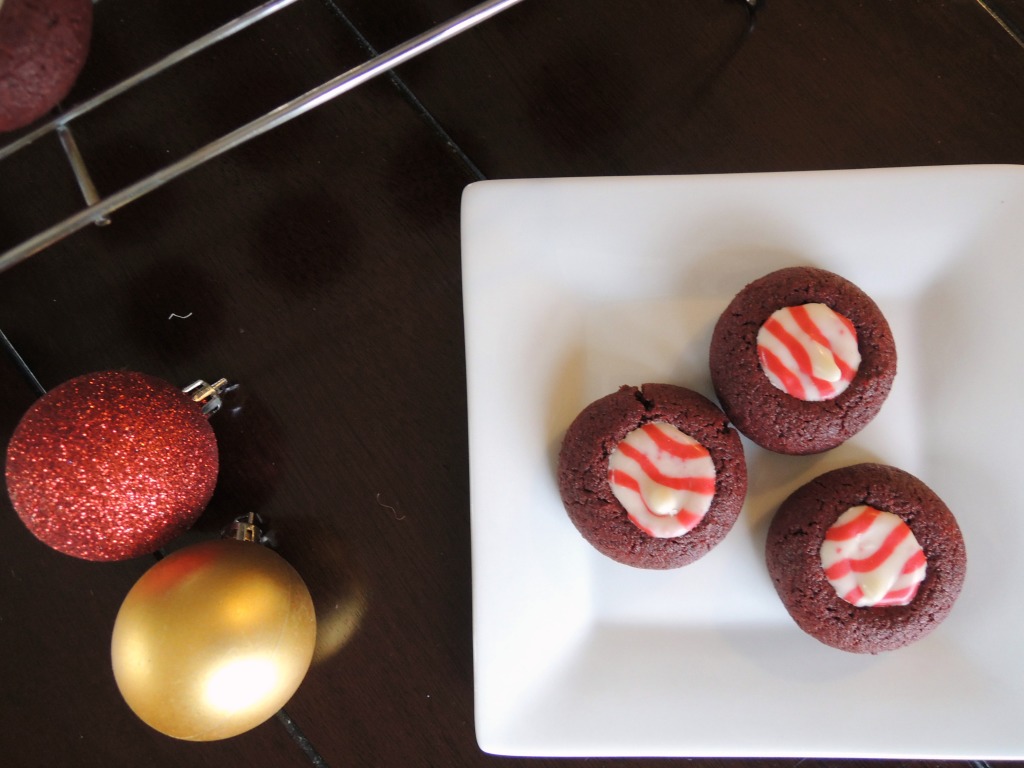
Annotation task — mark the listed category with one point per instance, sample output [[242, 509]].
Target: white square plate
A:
[[573, 287]]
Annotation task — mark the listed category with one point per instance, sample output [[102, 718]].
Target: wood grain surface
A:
[[318, 266]]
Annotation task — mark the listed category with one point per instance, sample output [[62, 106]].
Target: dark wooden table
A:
[[319, 267]]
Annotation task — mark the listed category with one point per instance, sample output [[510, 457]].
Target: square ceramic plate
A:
[[573, 287]]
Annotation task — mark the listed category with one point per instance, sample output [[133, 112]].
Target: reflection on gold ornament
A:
[[213, 640], [338, 586], [337, 624], [337, 581]]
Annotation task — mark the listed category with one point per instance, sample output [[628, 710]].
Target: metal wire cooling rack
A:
[[97, 209]]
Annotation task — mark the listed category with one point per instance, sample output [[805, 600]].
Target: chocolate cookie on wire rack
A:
[[43, 47]]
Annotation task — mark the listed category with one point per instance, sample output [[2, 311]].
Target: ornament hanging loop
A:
[[245, 528], [207, 395]]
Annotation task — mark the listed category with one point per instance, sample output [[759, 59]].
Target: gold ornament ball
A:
[[213, 640]]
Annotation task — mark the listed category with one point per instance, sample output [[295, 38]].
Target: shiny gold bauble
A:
[[213, 640]]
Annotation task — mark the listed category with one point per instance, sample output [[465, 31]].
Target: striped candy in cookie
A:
[[664, 479], [808, 351], [872, 558]]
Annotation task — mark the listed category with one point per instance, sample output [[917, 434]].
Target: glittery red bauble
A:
[[111, 465]]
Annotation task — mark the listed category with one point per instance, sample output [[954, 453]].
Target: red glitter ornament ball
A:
[[111, 465]]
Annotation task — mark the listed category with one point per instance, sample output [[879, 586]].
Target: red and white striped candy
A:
[[663, 478], [809, 351], [871, 558]]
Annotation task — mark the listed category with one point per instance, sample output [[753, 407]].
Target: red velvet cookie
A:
[[652, 477], [922, 540], [801, 360], [43, 46]]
